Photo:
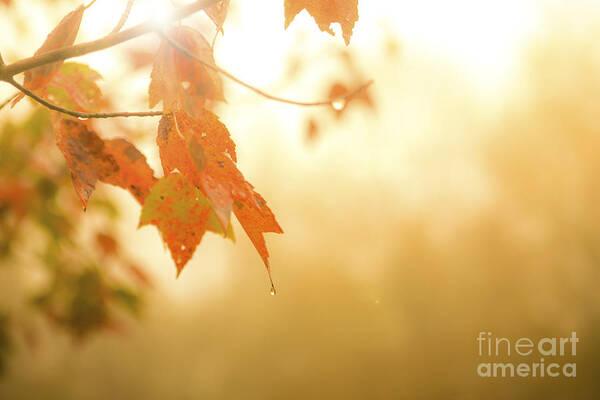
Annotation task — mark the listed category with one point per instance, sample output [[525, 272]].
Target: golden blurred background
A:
[[463, 198]]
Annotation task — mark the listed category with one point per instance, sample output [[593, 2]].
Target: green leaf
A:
[[180, 212], [74, 87]]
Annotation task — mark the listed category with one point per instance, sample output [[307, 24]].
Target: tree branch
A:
[[124, 16], [8, 71], [78, 114], [254, 88]]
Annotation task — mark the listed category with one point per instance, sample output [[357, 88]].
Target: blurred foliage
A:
[[5, 341], [89, 279]]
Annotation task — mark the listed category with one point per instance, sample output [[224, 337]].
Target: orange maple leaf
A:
[[91, 159], [183, 140], [344, 12], [181, 82], [134, 173], [62, 35], [181, 214], [257, 218], [338, 90]]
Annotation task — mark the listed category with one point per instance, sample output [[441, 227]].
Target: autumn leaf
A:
[[62, 35], [218, 13], [182, 141], [15, 195], [180, 212], [218, 179], [344, 12], [257, 218], [180, 82], [85, 154], [140, 58], [106, 243], [134, 173], [91, 159], [74, 87], [339, 90]]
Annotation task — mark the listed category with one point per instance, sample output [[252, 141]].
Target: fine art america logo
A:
[[557, 350]]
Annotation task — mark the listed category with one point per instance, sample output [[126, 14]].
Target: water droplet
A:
[[338, 104], [185, 85], [182, 247], [273, 291]]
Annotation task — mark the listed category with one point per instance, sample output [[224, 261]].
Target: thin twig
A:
[[124, 16], [7, 101], [103, 43], [254, 88], [214, 40], [78, 114], [89, 5]]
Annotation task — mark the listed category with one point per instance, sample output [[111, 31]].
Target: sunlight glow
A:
[[106, 13], [158, 11], [482, 38]]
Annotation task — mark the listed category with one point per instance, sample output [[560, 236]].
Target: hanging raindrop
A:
[[338, 104]]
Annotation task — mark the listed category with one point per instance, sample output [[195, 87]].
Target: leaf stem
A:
[[254, 88], [78, 114]]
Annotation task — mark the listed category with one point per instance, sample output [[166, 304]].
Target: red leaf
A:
[[90, 159], [62, 35], [134, 173], [345, 12], [85, 154], [181, 82]]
